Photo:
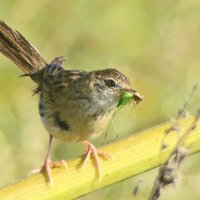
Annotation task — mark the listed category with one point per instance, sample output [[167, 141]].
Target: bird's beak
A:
[[136, 96]]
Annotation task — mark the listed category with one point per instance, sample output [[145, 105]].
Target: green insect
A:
[[125, 99], [128, 97]]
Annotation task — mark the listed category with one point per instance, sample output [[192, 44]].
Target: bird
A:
[[74, 105]]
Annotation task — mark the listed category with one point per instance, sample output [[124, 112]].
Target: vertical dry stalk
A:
[[168, 171]]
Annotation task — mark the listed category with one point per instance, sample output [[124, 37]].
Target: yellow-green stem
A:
[[136, 154]]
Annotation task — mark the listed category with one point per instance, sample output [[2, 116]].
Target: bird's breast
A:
[[74, 121]]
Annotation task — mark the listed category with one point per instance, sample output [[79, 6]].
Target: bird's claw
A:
[[47, 168], [91, 149]]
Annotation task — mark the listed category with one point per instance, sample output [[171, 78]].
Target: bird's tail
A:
[[14, 46]]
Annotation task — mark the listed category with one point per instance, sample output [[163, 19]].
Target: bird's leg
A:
[[91, 149], [48, 164]]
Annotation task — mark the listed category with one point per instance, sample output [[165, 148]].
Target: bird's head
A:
[[111, 88]]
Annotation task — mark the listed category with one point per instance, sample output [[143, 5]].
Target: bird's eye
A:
[[110, 83]]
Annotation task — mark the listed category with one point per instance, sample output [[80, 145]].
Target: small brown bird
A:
[[74, 105]]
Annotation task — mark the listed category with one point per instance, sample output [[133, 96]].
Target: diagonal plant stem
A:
[[132, 156]]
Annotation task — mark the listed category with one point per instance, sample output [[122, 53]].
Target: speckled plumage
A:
[[78, 105]]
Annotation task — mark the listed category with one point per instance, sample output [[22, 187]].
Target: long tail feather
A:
[[14, 46]]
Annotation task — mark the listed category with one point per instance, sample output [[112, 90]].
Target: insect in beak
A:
[[129, 96]]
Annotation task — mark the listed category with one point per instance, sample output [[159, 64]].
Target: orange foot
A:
[[91, 149], [47, 168]]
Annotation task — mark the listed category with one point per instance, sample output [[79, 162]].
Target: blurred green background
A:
[[155, 43]]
